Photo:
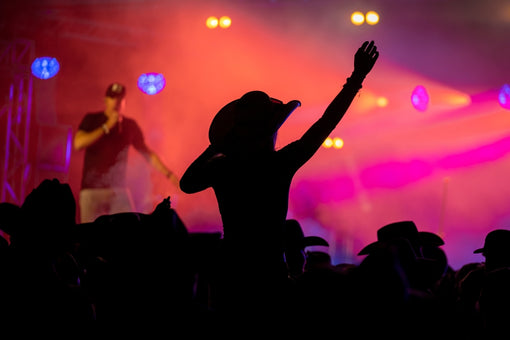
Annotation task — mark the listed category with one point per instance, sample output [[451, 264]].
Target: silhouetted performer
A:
[[251, 180], [106, 137]]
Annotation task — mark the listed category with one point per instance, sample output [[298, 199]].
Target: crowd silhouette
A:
[[149, 269], [137, 268]]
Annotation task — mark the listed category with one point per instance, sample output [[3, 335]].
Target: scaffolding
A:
[[15, 112]]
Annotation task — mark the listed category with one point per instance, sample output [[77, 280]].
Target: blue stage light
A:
[[151, 83], [45, 67], [420, 98], [504, 96]]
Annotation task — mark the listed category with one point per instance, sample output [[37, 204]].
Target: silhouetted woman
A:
[[251, 181]]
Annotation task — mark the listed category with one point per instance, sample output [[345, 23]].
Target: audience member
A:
[[9, 219], [421, 264], [494, 292], [295, 244], [42, 275], [251, 181], [496, 249]]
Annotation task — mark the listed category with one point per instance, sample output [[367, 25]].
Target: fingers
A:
[[371, 50], [369, 47]]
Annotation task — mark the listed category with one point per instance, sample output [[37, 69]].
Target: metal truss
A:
[[16, 57]]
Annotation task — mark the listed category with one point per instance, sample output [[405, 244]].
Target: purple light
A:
[[395, 174], [504, 96], [308, 193], [482, 154], [151, 83], [420, 98]]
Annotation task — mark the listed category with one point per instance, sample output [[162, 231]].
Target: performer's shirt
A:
[[105, 161]]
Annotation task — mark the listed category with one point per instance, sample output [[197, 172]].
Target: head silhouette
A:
[[252, 118]]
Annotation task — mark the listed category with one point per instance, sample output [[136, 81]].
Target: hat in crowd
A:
[[295, 238], [256, 111], [116, 90], [407, 230], [496, 242], [428, 238]]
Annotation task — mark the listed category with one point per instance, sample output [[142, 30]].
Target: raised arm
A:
[[364, 61]]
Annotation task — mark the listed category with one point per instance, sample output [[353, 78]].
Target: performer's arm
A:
[[156, 162], [83, 139]]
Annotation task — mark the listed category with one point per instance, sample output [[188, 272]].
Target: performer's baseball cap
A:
[[116, 90]]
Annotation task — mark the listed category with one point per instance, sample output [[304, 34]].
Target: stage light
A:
[[372, 18], [420, 98], [338, 143], [151, 83], [212, 22], [328, 143], [382, 101], [225, 22], [504, 97], [357, 18], [45, 67]]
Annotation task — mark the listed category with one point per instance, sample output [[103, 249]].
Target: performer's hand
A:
[[113, 118]]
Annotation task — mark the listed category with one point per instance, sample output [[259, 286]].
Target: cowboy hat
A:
[[256, 112], [296, 239], [497, 241], [403, 229]]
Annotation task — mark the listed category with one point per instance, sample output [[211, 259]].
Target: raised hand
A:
[[365, 58], [163, 207]]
